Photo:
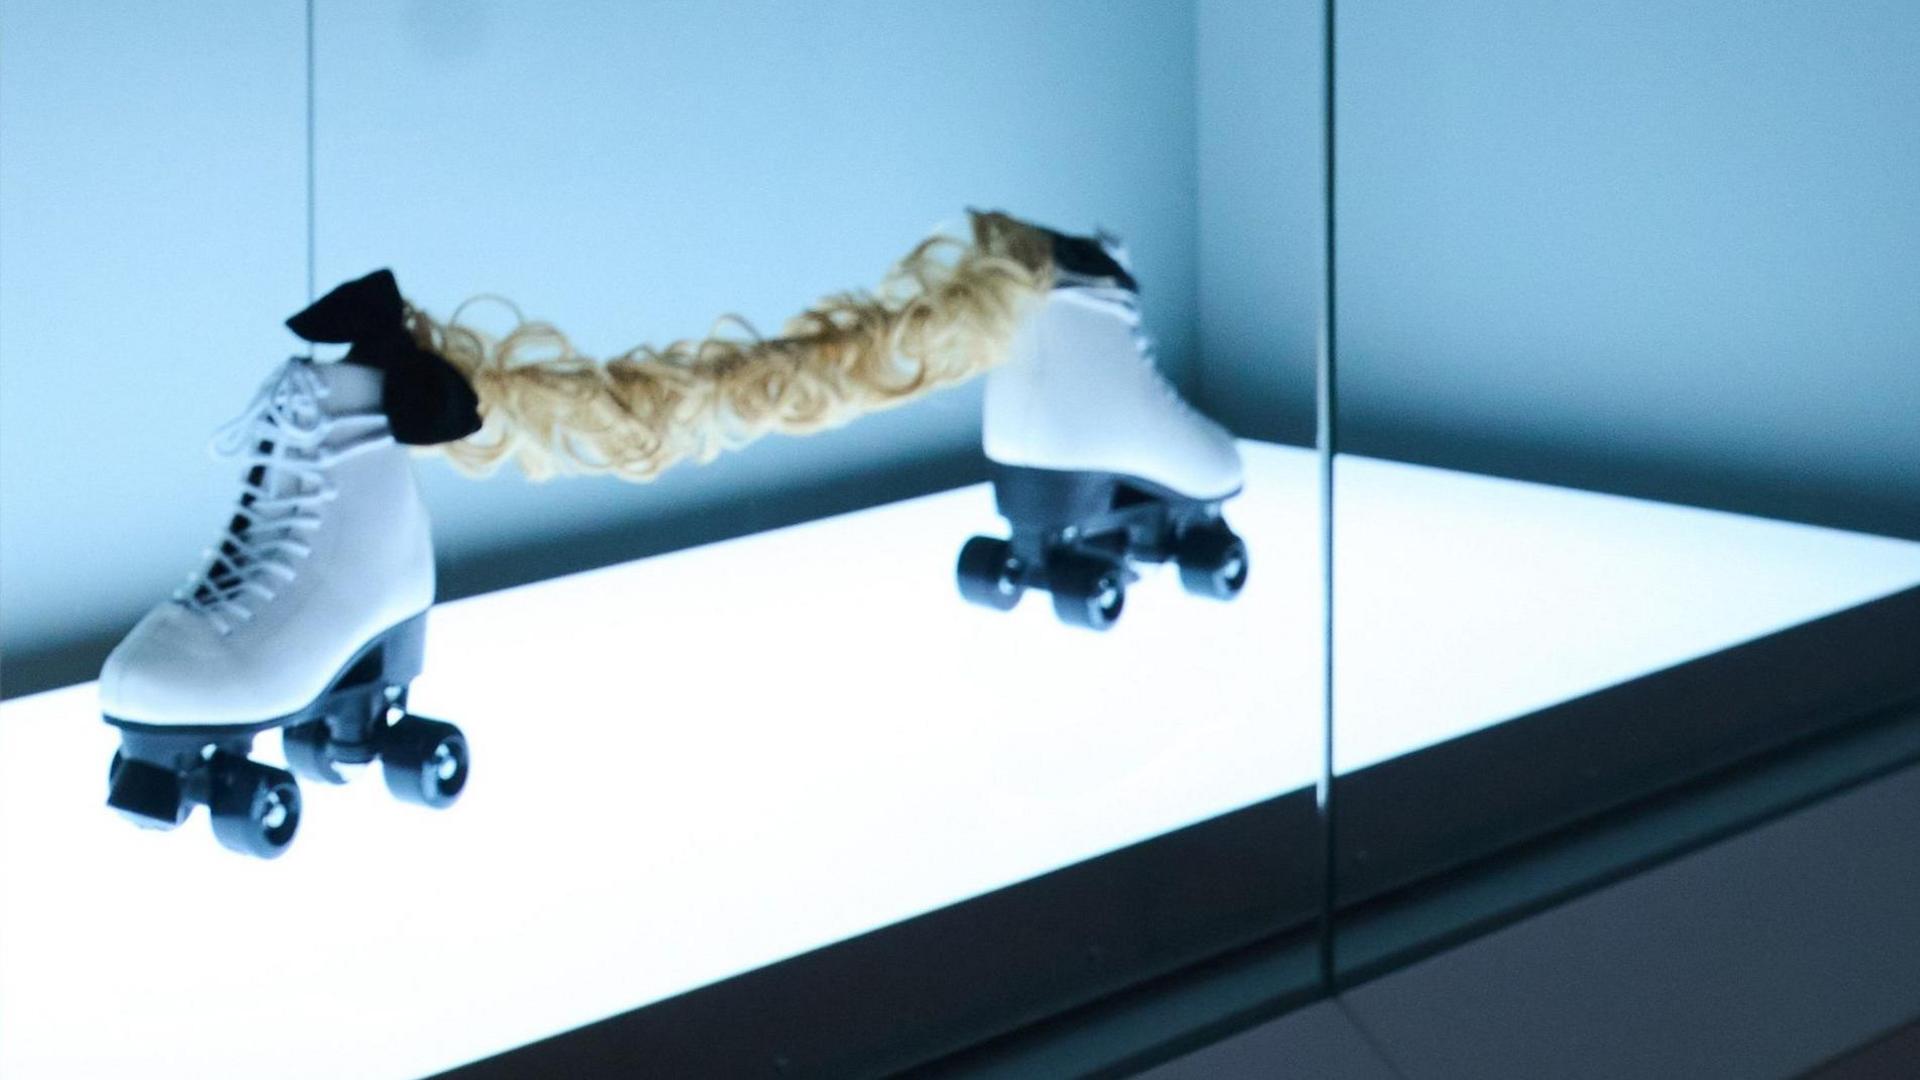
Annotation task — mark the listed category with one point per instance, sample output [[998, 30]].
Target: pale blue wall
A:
[[632, 176], [1637, 247], [627, 170], [1262, 212], [1663, 249], [1671, 249], [152, 233]]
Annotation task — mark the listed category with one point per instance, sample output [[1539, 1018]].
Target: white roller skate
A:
[[309, 615], [1096, 460]]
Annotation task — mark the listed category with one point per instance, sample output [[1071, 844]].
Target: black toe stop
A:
[[150, 795]]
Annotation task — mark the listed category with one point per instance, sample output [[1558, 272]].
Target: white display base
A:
[[698, 764]]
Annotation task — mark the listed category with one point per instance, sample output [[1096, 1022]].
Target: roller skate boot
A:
[[1097, 462], [308, 615]]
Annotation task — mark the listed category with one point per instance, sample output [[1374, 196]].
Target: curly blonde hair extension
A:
[[945, 313]]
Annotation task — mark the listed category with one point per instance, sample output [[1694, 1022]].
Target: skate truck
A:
[[1096, 461], [1076, 536], [162, 771]]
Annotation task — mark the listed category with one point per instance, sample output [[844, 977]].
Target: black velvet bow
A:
[[426, 399]]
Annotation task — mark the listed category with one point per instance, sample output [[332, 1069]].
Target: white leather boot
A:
[[1079, 392], [309, 614], [327, 550], [1097, 461]]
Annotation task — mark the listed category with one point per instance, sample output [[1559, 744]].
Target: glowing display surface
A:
[[697, 764]]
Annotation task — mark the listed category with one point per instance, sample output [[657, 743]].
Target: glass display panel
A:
[[1627, 491], [702, 693]]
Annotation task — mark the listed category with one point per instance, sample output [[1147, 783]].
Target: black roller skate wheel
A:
[[424, 761], [989, 574], [309, 749], [255, 807], [1088, 591], [1213, 563]]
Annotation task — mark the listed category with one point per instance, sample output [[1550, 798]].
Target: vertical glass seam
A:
[[1327, 445]]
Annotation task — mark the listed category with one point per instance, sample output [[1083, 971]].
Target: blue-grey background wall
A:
[[629, 171], [632, 172], [152, 233], [1663, 249], [1666, 250], [1262, 213]]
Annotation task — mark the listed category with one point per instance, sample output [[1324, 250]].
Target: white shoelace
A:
[[1148, 350], [1143, 342], [281, 437]]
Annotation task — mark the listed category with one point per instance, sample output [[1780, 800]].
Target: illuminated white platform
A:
[[694, 765]]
